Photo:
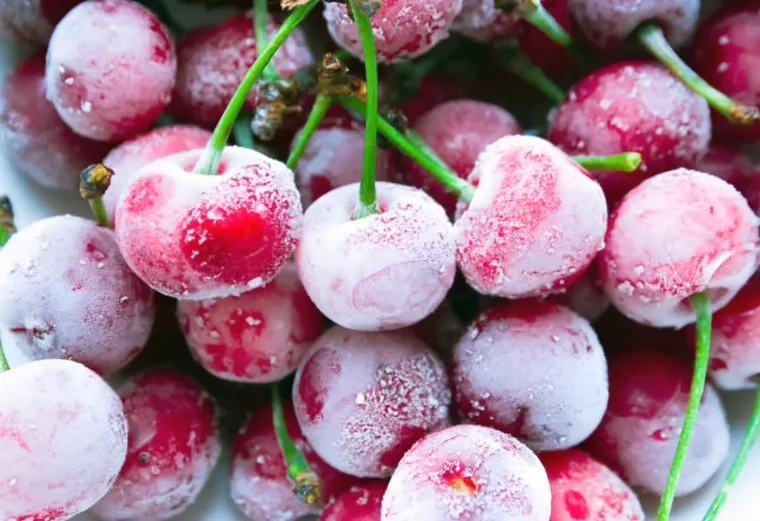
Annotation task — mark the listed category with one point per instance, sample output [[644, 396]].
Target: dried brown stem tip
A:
[[94, 181], [277, 101], [744, 114], [6, 215], [292, 4], [306, 487], [334, 79]]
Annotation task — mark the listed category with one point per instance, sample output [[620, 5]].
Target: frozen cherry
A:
[[640, 430], [679, 233], [535, 223], [403, 29], [361, 502], [585, 489], [432, 90], [64, 439], [32, 21], [258, 480], [728, 163], [173, 447], [363, 399], [258, 337], [110, 69], [212, 62], [34, 136], [480, 20], [554, 408], [544, 52], [586, 296], [632, 106], [208, 236], [458, 131], [382, 272], [127, 159], [468, 472], [67, 293]]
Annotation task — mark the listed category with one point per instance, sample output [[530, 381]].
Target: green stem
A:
[[625, 162], [452, 182], [750, 435], [99, 211], [3, 361], [306, 484], [260, 16], [7, 229], [653, 38], [367, 195], [536, 15], [242, 133], [522, 66], [209, 160], [701, 304], [321, 106]]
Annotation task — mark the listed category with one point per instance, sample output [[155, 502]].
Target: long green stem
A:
[[99, 211], [701, 304], [260, 16], [209, 160], [750, 435], [321, 106], [452, 182], [653, 38], [367, 194], [306, 484], [7, 229], [522, 66], [242, 133], [625, 162]]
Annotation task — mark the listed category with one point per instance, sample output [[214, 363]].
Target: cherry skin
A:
[[362, 502], [173, 448], [67, 293], [197, 237], [544, 52], [432, 90], [258, 483], [363, 399], [535, 223], [728, 163], [258, 337], [468, 472], [481, 21], [64, 438], [679, 233], [458, 131], [32, 22], [95, 98], [33, 135], [383, 272], [637, 438], [632, 106]]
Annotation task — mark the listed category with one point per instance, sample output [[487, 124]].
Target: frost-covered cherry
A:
[[468, 472], [403, 29], [333, 158], [64, 439], [637, 438], [458, 131], [554, 407], [362, 502], [585, 489], [67, 293], [258, 337], [127, 159], [32, 21], [632, 106], [110, 69], [679, 233], [386, 271], [544, 52], [33, 135], [728, 163], [363, 399], [480, 20], [173, 448], [586, 295], [535, 223], [197, 237], [258, 481], [212, 62]]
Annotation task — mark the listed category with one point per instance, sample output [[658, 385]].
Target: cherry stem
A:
[[750, 435], [653, 38], [208, 163], [99, 212], [260, 16], [701, 304], [93, 183], [522, 66], [625, 162], [306, 484], [452, 182], [241, 131], [321, 106], [7, 229]]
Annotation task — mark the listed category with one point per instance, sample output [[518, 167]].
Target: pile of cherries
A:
[[469, 322]]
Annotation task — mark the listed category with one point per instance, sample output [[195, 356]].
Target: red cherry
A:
[[32, 21], [361, 502]]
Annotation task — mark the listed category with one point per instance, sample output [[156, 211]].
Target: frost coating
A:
[[481, 21], [64, 438], [362, 502], [468, 472], [31, 21]]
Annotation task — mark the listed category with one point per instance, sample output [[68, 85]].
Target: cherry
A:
[[67, 293], [480, 20], [432, 90], [535, 223], [173, 448], [638, 435], [586, 295], [32, 22], [468, 472], [544, 52], [363, 399], [33, 135], [361, 502], [634, 106], [64, 438], [728, 163], [95, 97], [552, 409]]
